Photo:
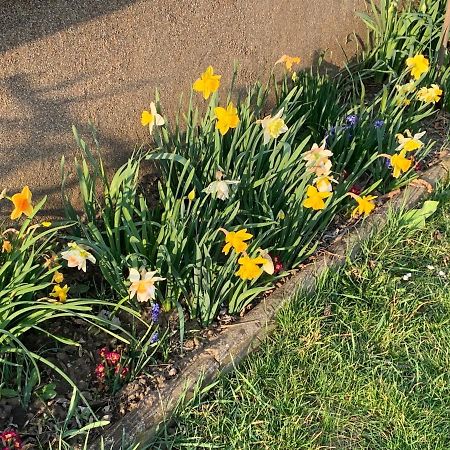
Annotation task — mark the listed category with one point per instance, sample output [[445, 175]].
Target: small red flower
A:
[[355, 189], [419, 166], [277, 264], [113, 358], [100, 372], [103, 352], [124, 373]]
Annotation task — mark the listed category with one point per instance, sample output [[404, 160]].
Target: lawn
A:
[[361, 364]]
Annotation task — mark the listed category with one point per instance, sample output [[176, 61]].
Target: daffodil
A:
[[430, 95], [323, 183], [219, 188], [407, 88], [6, 246], [400, 164], [58, 277], [409, 142], [250, 267], [226, 118], [236, 240], [191, 195], [289, 61], [77, 255], [151, 118], [208, 83], [315, 199], [60, 293], [273, 127], [46, 224], [418, 65], [268, 266], [143, 284], [22, 204], [317, 155], [365, 205]]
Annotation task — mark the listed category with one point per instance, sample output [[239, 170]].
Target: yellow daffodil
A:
[[6, 247], [226, 118], [289, 61], [208, 83], [77, 255], [410, 142], [250, 267], [273, 127], [400, 164], [430, 95], [236, 240], [60, 293], [191, 195], [315, 199], [22, 204], [151, 118], [58, 277], [418, 65], [268, 265], [219, 188], [46, 224], [323, 183], [365, 205], [143, 284]]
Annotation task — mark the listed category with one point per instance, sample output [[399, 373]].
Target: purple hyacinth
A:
[[378, 123], [351, 120], [154, 337], [156, 310], [387, 162]]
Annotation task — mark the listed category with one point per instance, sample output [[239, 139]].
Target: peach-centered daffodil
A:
[[6, 246], [208, 83], [323, 183], [317, 155], [77, 255], [250, 267], [315, 199], [418, 65], [400, 164], [60, 293], [219, 188], [365, 204], [143, 284], [430, 95], [226, 118], [22, 204], [236, 240], [151, 118], [273, 127], [409, 142], [289, 61]]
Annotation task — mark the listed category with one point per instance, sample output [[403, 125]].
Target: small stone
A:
[[172, 372]]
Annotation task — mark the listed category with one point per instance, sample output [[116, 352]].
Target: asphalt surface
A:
[[64, 62]]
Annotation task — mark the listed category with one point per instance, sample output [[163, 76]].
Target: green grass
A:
[[362, 364]]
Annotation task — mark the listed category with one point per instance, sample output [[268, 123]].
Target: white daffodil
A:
[[77, 255], [143, 284], [273, 127], [151, 118], [268, 266], [409, 142], [219, 188]]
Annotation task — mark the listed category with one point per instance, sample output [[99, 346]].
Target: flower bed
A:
[[247, 189]]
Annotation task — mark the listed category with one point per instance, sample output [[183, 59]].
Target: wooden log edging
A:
[[226, 350]]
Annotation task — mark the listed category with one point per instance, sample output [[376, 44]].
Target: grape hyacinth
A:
[[378, 123], [154, 337], [156, 310]]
